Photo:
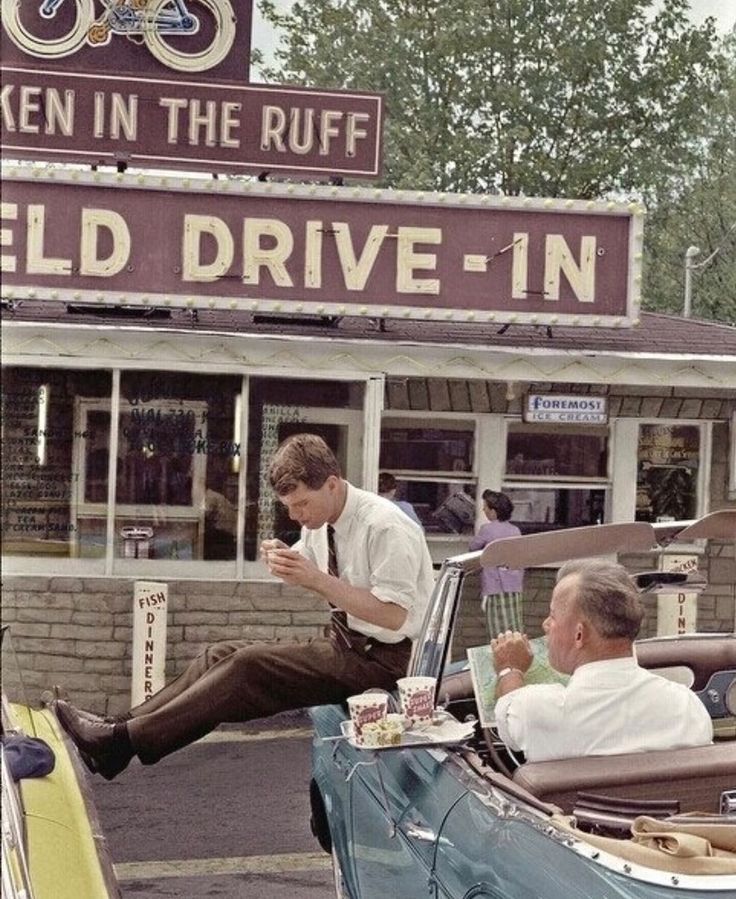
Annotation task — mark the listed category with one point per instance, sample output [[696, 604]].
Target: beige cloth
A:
[[685, 839], [680, 846]]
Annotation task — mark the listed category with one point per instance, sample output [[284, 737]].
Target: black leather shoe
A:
[[100, 749], [57, 692], [103, 719]]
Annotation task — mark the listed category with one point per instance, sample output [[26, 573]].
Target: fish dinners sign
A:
[[131, 239]]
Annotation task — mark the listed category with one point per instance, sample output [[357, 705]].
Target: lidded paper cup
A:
[[416, 697], [366, 708]]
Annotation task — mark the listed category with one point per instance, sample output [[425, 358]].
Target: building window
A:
[[570, 452], [41, 469], [176, 488], [172, 478], [435, 469], [557, 477], [668, 466], [279, 408]]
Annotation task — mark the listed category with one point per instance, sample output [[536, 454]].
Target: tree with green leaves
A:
[[583, 99], [697, 208]]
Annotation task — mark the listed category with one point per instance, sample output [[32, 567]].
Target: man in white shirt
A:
[[610, 705], [359, 553]]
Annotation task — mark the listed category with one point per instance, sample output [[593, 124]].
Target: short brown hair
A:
[[302, 458], [500, 503], [386, 482], [607, 596]]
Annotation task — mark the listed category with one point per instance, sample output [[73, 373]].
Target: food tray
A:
[[443, 731]]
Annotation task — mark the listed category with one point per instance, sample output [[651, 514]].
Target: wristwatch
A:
[[504, 671]]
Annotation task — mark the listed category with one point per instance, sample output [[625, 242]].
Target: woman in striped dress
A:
[[501, 587]]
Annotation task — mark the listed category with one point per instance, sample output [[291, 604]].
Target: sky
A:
[[724, 11]]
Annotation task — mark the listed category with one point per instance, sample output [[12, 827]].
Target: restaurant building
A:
[[136, 443], [161, 336]]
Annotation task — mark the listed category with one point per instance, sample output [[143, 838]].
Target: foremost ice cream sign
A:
[[293, 248], [566, 409]]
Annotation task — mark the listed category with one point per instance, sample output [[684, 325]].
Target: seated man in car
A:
[[610, 705]]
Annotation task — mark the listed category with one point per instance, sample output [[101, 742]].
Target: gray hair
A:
[[607, 596]]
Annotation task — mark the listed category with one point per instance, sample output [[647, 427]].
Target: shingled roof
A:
[[656, 334]]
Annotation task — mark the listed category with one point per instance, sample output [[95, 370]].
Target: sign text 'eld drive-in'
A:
[[331, 250]]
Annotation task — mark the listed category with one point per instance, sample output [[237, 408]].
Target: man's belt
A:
[[344, 637]]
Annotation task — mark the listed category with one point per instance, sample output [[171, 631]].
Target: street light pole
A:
[[690, 254]]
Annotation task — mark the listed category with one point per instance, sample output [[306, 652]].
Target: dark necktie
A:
[[331, 552], [339, 629]]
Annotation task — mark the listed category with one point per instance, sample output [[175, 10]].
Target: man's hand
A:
[[512, 650], [293, 568], [268, 546]]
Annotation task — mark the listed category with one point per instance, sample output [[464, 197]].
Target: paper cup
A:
[[366, 708], [416, 697]]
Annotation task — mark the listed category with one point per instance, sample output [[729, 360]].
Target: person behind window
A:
[[358, 553], [610, 705], [387, 487], [220, 525], [500, 587]]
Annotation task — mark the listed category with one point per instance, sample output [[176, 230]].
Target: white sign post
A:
[[677, 613], [150, 604]]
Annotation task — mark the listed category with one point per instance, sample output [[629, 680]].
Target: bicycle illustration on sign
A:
[[167, 28]]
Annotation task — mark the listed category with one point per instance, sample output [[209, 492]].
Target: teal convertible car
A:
[[464, 818]]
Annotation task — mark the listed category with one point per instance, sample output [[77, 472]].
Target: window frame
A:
[[604, 483], [625, 469], [440, 542], [82, 508]]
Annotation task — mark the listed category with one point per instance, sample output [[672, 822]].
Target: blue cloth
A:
[[27, 756], [408, 509]]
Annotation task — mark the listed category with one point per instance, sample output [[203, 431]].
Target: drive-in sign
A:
[[164, 84], [129, 239], [184, 124]]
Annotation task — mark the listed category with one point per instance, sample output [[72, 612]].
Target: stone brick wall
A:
[[77, 632]]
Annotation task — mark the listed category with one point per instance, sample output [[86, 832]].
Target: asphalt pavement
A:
[[227, 817]]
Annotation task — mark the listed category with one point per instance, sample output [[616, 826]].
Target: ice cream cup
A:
[[416, 698], [366, 708]]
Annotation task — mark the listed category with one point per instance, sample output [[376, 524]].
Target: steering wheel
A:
[[490, 735]]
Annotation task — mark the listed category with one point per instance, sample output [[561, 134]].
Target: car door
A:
[[398, 801]]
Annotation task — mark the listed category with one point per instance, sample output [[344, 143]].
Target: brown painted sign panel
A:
[[294, 248], [164, 124], [142, 38]]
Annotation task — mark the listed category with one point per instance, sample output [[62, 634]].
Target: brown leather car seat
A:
[[694, 777], [704, 655]]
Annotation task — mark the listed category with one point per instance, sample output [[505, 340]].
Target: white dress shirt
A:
[[607, 708], [380, 549]]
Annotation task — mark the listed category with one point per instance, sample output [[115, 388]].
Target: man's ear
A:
[[581, 632]]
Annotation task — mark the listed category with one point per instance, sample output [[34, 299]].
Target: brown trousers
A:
[[237, 681]]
